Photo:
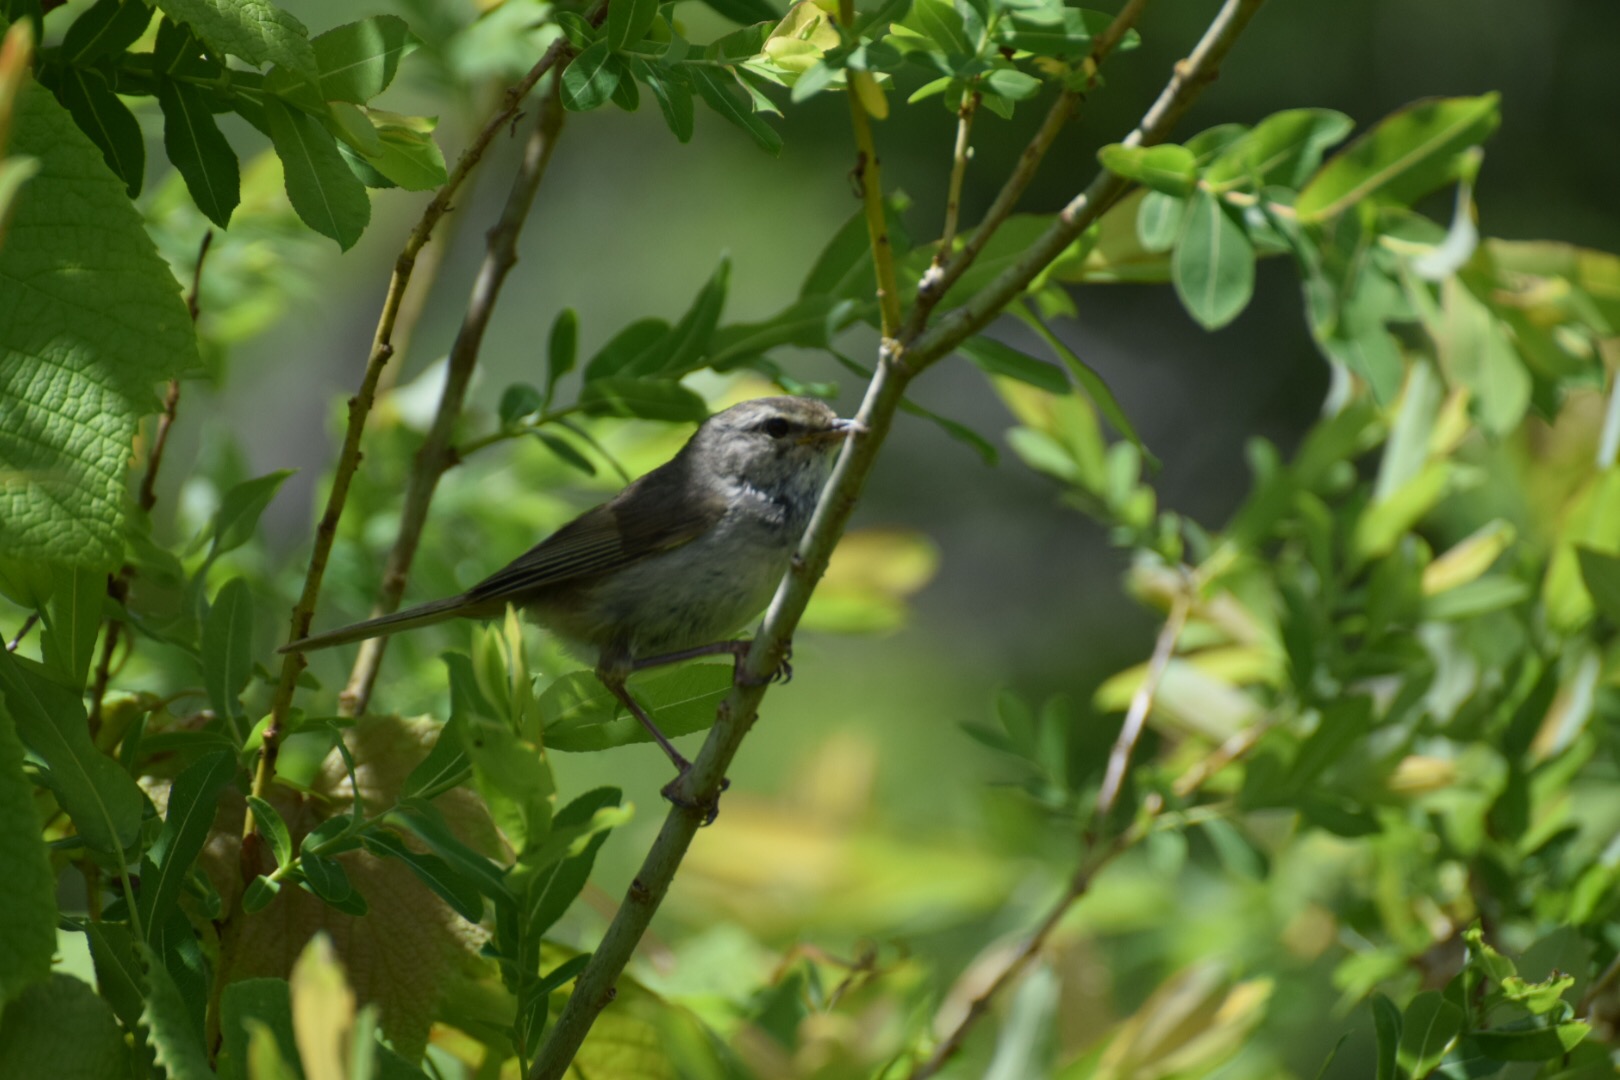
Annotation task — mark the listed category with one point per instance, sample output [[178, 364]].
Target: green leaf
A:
[[169, 1030], [28, 901], [940, 23], [327, 879], [591, 77], [628, 22], [650, 399], [719, 93], [631, 346], [1284, 148], [1168, 168], [240, 508], [674, 97], [60, 1029], [193, 799], [1476, 352], [72, 622], [687, 345], [358, 60], [1090, 381], [1012, 84], [106, 29], [227, 650], [423, 821], [1213, 267], [260, 891], [562, 350], [515, 780], [200, 153], [271, 826], [517, 401], [1158, 221], [453, 888], [1387, 1024], [995, 358], [409, 158], [1055, 32], [256, 30], [266, 1003], [118, 970], [581, 715], [549, 893], [1528, 1044], [446, 765], [100, 797], [566, 453], [1429, 1026], [327, 195], [744, 12], [1409, 154], [1601, 573], [108, 122]]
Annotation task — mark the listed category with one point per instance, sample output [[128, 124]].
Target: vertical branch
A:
[[437, 454], [959, 159], [382, 348], [869, 183], [1119, 758]]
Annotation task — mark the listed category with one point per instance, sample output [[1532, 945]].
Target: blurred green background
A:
[[858, 779]]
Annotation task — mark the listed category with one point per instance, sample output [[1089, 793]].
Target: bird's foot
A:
[[709, 808], [782, 674]]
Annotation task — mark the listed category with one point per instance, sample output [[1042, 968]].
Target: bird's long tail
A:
[[383, 625]]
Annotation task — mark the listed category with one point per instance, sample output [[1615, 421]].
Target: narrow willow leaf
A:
[[650, 399], [1213, 267], [326, 878], [227, 650], [628, 22], [674, 98], [1407, 155], [327, 195], [72, 621], [581, 715], [176, 1042], [118, 969], [193, 799], [199, 151], [633, 346], [445, 766], [101, 798], [272, 828], [28, 900], [562, 351], [423, 821], [718, 92], [551, 891], [237, 518], [107, 29], [109, 123], [590, 78], [453, 888], [566, 453], [1429, 1026], [358, 60], [1284, 148], [260, 891], [997, 358]]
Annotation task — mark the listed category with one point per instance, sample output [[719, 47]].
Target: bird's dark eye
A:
[[776, 427]]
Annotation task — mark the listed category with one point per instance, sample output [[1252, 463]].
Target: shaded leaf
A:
[[581, 715], [199, 151], [327, 195], [1213, 267], [193, 799]]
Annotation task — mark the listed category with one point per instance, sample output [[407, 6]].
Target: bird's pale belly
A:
[[697, 594]]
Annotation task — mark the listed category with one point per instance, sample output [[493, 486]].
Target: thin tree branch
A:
[[959, 160], [1189, 80], [171, 396], [1119, 758], [699, 788], [437, 454], [947, 270], [382, 348], [22, 631], [869, 182]]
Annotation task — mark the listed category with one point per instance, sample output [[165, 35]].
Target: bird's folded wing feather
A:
[[639, 522]]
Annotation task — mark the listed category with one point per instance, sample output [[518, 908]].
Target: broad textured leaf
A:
[[90, 320], [108, 122], [227, 648], [60, 1029], [358, 60], [581, 715], [28, 900], [1409, 154], [177, 1043], [717, 89], [996, 358], [193, 799], [1213, 267], [322, 188], [100, 797], [453, 888], [199, 151], [650, 399], [72, 622], [590, 78], [256, 30]]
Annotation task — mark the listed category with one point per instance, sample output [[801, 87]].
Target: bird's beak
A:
[[840, 430]]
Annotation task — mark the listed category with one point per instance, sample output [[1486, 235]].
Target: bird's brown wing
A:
[[656, 513]]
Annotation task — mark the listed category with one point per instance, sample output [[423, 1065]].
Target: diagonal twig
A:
[[437, 454], [700, 786]]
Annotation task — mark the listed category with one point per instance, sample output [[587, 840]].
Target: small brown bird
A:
[[670, 567]]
